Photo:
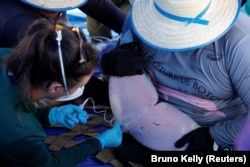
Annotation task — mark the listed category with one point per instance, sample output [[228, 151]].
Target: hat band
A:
[[188, 20]]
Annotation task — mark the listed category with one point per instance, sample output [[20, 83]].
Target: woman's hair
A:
[[35, 61]]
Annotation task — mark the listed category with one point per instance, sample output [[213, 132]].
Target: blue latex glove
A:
[[111, 137], [67, 116]]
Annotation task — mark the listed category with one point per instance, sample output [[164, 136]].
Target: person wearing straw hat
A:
[[16, 16], [67, 62], [198, 48]]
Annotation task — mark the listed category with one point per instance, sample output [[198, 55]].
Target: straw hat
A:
[[55, 5], [179, 25]]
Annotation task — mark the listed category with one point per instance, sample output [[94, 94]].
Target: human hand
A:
[[123, 60], [197, 140], [67, 116], [111, 137]]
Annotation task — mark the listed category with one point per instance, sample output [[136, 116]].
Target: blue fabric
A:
[[77, 17], [89, 162]]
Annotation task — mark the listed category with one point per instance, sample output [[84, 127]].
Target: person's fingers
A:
[[69, 123], [117, 125], [72, 118], [82, 117], [76, 108], [79, 114]]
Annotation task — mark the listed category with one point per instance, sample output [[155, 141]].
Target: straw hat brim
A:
[[55, 5], [164, 33]]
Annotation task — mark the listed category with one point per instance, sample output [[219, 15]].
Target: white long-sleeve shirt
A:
[[210, 84]]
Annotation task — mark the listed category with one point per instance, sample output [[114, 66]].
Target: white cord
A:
[[111, 121]]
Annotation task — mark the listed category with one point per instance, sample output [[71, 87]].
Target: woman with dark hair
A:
[[16, 16], [52, 61]]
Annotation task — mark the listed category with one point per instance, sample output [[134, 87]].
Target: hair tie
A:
[[58, 27]]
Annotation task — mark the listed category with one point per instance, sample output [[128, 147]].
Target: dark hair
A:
[[35, 60]]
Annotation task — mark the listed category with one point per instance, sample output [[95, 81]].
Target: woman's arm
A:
[[106, 12]]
